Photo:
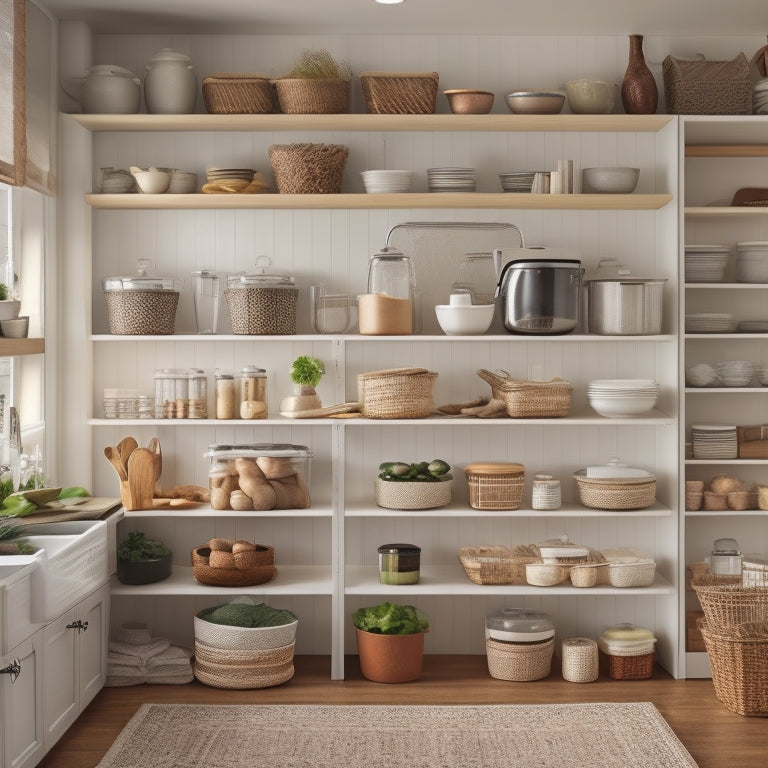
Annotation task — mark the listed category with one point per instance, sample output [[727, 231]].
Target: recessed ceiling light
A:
[[390, 2]]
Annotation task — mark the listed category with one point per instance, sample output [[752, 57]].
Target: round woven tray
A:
[[308, 169], [519, 661]]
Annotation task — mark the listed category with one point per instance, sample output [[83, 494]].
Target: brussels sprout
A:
[[438, 467]]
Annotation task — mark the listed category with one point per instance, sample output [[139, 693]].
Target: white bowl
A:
[[591, 97], [152, 181], [15, 328], [469, 320], [609, 180], [622, 407]]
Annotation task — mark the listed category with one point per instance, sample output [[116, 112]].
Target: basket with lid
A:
[[519, 644], [629, 651], [495, 485], [616, 486], [262, 303], [141, 305]]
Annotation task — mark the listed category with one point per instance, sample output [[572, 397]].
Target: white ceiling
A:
[[479, 17]]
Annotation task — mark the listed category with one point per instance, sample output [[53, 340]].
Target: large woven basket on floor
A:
[[739, 661], [396, 393], [241, 669], [312, 96], [728, 605], [400, 93], [496, 564], [308, 169], [238, 93], [530, 399]]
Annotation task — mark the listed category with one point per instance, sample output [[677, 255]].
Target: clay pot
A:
[[390, 658], [639, 93]]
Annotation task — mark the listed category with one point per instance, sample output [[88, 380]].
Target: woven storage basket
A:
[[619, 494], [243, 669], [581, 662], [541, 574], [637, 667], [700, 87], [392, 494], [495, 485], [400, 93], [520, 662], [495, 564], [396, 393], [308, 169], [225, 576], [226, 637], [739, 661], [729, 604], [255, 310], [530, 399], [238, 93], [142, 313], [639, 574], [312, 96], [587, 574]]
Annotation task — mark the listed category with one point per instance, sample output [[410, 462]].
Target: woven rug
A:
[[379, 736]]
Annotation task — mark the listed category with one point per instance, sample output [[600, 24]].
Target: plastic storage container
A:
[[399, 563], [519, 644], [259, 476]]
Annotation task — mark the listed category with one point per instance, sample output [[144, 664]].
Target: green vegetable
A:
[[245, 615], [137, 548], [419, 472], [391, 619], [17, 506], [75, 492], [438, 467], [3, 291]]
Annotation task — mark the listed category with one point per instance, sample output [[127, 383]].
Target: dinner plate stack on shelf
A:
[[752, 326], [705, 263], [221, 174], [709, 322], [714, 441], [517, 181], [752, 262], [451, 179]]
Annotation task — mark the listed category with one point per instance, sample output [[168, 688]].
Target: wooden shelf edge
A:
[[703, 211], [726, 150], [18, 347]]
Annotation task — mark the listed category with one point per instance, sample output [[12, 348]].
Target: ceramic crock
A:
[[108, 89], [170, 84]]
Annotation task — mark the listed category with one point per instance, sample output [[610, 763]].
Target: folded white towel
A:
[[173, 656], [124, 671], [142, 652]]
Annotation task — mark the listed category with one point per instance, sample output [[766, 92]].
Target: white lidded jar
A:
[[110, 90], [170, 84]]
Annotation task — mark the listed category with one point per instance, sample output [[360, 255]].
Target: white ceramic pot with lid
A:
[[170, 84], [108, 89]]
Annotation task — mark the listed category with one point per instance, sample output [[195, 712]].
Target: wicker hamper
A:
[[400, 93], [243, 669], [238, 93], [308, 169], [730, 604], [700, 87], [530, 399]]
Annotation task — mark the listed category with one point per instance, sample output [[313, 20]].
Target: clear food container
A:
[[252, 385], [515, 625]]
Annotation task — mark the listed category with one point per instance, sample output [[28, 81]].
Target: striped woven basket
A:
[[495, 564], [396, 393], [519, 661], [238, 93], [241, 669], [400, 93], [312, 96]]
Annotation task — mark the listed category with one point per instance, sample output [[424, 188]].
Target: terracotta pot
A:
[[390, 658]]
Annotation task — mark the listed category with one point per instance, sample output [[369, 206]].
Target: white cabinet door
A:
[[21, 711]]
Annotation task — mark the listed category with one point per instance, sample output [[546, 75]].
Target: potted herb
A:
[[9, 307], [390, 641], [141, 560], [318, 83], [306, 373]]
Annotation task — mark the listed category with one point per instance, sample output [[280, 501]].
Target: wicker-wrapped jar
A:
[[581, 663], [308, 169], [141, 306], [519, 644]]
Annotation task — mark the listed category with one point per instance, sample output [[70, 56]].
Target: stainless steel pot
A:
[[624, 306], [540, 296]]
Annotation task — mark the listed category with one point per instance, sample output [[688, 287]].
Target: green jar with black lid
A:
[[399, 563]]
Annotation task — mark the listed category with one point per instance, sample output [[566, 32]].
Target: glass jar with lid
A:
[[546, 492], [388, 306], [477, 277], [252, 388], [198, 395], [725, 559], [226, 398], [171, 393]]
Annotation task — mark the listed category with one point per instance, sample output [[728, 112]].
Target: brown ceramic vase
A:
[[639, 93]]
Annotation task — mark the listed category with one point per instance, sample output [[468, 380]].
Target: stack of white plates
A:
[[517, 181], [622, 398], [387, 181], [752, 326], [705, 263], [735, 373], [451, 179], [219, 174], [760, 97], [714, 441], [709, 322], [761, 369], [752, 262]]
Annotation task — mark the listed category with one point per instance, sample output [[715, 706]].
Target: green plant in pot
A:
[[306, 373], [141, 560], [390, 641], [9, 306]]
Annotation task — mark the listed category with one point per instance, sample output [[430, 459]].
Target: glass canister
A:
[[725, 559], [206, 292], [387, 309], [399, 563], [252, 387], [226, 398], [171, 394], [546, 492], [197, 407]]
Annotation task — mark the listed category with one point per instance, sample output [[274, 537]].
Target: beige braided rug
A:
[[378, 736]]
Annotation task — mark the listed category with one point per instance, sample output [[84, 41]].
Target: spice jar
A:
[[399, 563], [546, 492], [198, 395], [226, 400], [253, 392]]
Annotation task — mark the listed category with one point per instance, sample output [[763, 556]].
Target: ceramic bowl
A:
[[9, 309], [535, 102], [182, 183], [617, 181], [591, 97], [152, 181], [464, 320], [15, 328], [468, 101]]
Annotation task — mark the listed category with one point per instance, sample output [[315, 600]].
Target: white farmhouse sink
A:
[[71, 562]]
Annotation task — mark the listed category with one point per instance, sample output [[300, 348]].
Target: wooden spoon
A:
[[125, 448], [113, 457], [141, 478]]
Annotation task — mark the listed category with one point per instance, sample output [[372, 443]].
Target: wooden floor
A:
[[716, 737]]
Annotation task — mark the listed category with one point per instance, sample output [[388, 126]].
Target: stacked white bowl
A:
[[387, 181], [622, 398], [752, 262], [761, 370], [735, 373], [705, 263], [451, 179]]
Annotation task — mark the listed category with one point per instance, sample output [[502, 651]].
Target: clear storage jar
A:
[[198, 395], [252, 389], [226, 398], [171, 393]]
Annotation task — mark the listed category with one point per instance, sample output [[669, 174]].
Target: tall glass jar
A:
[[253, 392], [198, 394], [388, 307], [171, 394], [226, 399]]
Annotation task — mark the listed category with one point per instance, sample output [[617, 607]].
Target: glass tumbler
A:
[[206, 293]]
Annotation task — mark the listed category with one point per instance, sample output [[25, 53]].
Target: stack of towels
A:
[[134, 657]]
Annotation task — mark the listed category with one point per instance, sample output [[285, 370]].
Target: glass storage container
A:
[[252, 393], [198, 395], [388, 306], [399, 563], [226, 398], [171, 393]]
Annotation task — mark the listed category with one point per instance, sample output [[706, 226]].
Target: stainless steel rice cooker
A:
[[540, 296]]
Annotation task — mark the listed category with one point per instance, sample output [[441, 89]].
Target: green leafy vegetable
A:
[[245, 615], [307, 371], [74, 492], [137, 548], [391, 619]]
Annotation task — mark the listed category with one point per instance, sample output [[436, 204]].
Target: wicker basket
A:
[[239, 669], [495, 564], [312, 96], [636, 667], [227, 637], [519, 662], [640, 574], [495, 485], [400, 93], [238, 93], [739, 661], [226, 572], [729, 604], [142, 313], [586, 574], [308, 169], [581, 663], [393, 494], [396, 393], [700, 87], [530, 399], [619, 494]]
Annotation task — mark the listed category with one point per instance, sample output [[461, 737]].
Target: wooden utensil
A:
[[113, 457], [125, 448], [154, 447], [141, 478]]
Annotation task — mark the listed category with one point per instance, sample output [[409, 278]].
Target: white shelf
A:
[[736, 462], [725, 211], [290, 580], [726, 286], [280, 421], [725, 336], [725, 390], [727, 512], [451, 580], [205, 512]]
